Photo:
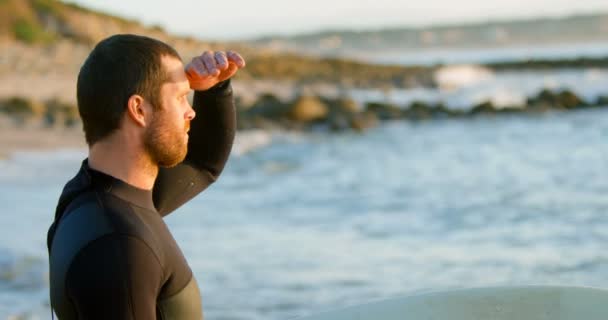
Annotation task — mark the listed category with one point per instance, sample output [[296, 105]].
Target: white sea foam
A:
[[454, 77], [463, 88], [246, 141]]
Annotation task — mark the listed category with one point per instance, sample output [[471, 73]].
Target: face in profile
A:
[[166, 139]]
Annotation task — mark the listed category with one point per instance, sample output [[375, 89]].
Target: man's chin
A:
[[170, 162]]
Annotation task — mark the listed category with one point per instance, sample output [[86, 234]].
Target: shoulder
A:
[[115, 268], [98, 218], [116, 256]]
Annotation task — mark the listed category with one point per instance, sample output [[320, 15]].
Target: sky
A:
[[242, 19]]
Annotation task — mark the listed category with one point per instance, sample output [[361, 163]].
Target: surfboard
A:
[[497, 303]]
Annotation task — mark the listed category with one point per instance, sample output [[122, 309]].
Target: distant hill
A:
[[577, 28], [48, 22], [44, 21], [44, 42]]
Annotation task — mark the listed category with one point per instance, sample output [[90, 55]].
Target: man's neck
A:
[[125, 162]]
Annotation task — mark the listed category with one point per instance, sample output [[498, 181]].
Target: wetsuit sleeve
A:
[[115, 277], [211, 136]]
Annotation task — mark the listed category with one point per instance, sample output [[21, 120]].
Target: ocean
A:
[[523, 52], [300, 223]]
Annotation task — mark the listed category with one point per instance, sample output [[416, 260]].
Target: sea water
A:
[[495, 54], [309, 222]]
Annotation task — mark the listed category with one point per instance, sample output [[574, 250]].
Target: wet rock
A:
[[602, 101], [419, 110], [267, 106], [547, 100], [244, 122], [362, 121], [344, 114], [22, 110], [308, 109], [551, 64], [441, 111], [339, 122], [342, 105], [341, 113], [61, 114], [384, 111], [512, 109], [266, 113], [486, 107], [258, 122], [570, 100]]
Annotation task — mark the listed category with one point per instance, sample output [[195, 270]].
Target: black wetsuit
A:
[[111, 254]]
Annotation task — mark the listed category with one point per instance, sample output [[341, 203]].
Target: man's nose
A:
[[190, 114]]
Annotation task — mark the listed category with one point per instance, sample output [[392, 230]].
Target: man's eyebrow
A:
[[185, 90]]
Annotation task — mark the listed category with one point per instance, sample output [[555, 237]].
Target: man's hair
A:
[[117, 68]]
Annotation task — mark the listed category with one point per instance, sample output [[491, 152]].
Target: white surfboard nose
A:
[[498, 303]]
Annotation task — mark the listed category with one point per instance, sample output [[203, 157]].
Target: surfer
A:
[[111, 254]]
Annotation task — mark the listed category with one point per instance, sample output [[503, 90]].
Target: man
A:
[[111, 254]]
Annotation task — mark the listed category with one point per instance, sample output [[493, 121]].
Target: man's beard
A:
[[165, 144]]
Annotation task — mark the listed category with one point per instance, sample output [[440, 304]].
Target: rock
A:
[[244, 122], [21, 106], [483, 108], [342, 105], [266, 124], [419, 110], [267, 106], [363, 121], [342, 111], [339, 122], [544, 95], [511, 109], [441, 111], [602, 101], [384, 111], [308, 109], [547, 100], [61, 114], [544, 101], [22, 110], [569, 100]]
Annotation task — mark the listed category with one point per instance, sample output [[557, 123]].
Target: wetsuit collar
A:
[[118, 188]]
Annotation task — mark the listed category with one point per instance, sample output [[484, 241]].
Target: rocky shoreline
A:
[[312, 112], [549, 64], [309, 112]]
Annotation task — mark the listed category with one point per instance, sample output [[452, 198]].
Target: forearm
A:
[[212, 131]]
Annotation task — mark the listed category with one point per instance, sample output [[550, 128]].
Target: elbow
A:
[[212, 175]]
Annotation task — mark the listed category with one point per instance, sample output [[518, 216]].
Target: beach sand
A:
[[36, 138], [32, 138]]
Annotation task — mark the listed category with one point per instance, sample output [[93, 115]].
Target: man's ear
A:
[[138, 110]]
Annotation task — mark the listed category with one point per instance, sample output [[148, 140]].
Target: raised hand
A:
[[211, 68]]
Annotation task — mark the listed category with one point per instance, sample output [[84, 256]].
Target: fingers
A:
[[197, 68], [229, 72], [209, 61], [236, 58], [221, 60], [213, 64]]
